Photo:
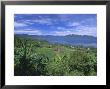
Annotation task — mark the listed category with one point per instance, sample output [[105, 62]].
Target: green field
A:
[[41, 58]]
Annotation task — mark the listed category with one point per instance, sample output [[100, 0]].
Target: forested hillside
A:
[[71, 39], [34, 57]]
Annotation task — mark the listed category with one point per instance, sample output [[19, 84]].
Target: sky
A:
[[55, 24]]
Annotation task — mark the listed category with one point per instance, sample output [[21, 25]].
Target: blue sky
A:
[[55, 24]]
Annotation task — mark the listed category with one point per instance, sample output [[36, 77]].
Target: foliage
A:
[[41, 58]]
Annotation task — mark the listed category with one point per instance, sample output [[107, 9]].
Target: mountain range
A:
[[83, 40]]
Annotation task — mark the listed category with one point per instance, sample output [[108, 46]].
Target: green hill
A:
[[33, 57]]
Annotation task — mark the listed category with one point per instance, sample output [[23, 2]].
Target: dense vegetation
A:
[[41, 58]]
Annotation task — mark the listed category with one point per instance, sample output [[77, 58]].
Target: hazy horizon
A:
[[53, 35]]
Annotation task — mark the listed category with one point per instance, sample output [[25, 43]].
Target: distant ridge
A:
[[71, 39]]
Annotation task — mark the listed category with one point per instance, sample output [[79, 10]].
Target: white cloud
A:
[[64, 17], [61, 33], [18, 24], [43, 21], [90, 22], [86, 30], [23, 23], [80, 30], [61, 28], [28, 31], [74, 24], [28, 22]]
